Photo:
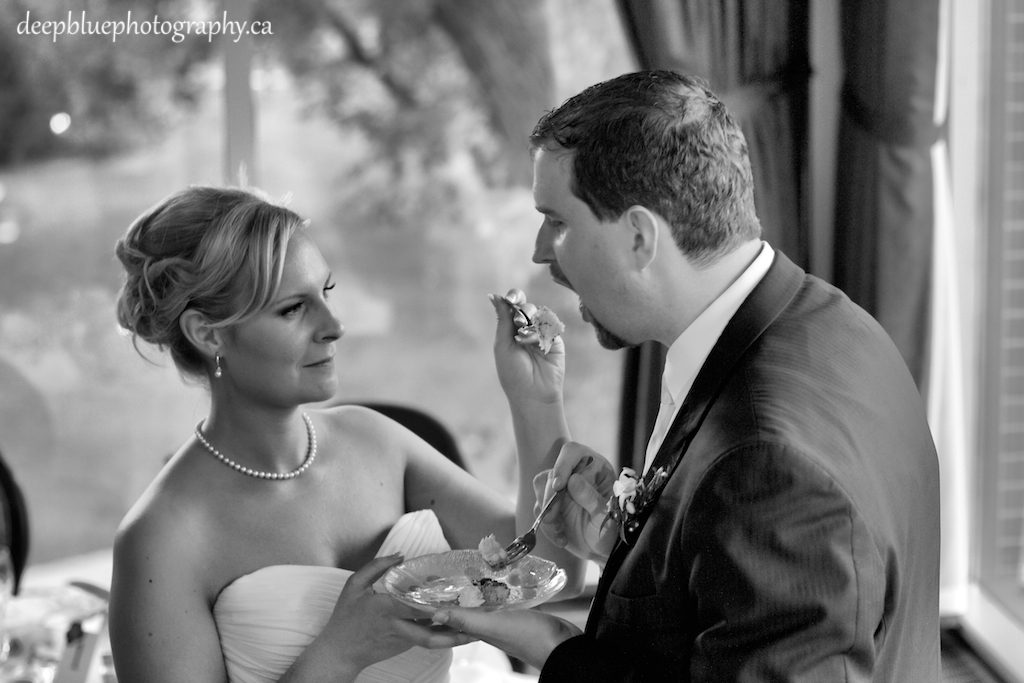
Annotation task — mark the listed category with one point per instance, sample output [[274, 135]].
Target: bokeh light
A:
[[9, 231], [60, 122]]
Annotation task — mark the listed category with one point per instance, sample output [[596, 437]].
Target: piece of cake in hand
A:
[[548, 326], [542, 325], [493, 552]]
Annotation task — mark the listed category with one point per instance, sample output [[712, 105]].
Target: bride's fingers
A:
[[373, 570], [522, 309], [528, 309], [515, 296], [506, 313], [530, 337], [512, 320]]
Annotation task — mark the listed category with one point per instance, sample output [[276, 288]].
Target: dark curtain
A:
[[884, 203], [754, 55]]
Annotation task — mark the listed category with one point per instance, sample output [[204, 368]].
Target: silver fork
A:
[[524, 545]]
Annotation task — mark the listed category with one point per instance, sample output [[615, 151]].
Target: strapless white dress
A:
[[267, 618]]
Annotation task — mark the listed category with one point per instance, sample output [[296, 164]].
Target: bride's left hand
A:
[[368, 627]]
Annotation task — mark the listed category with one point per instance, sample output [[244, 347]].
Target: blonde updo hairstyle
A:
[[218, 251]]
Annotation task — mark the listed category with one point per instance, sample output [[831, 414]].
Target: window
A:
[[85, 424], [1001, 569], [993, 612], [416, 232]]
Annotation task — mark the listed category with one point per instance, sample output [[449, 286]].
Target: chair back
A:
[[14, 523], [424, 425]]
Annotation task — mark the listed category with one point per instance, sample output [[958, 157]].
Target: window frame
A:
[[978, 150]]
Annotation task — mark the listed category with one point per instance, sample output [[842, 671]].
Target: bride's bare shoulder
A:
[[359, 421], [169, 520]]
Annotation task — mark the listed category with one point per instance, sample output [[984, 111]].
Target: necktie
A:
[[666, 411]]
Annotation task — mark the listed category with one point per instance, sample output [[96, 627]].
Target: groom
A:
[[786, 524]]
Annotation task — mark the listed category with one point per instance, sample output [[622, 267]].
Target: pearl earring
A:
[[217, 372]]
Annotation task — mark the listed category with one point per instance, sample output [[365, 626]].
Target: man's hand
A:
[[576, 521], [528, 635]]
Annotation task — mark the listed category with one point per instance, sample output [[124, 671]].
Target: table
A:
[[94, 568]]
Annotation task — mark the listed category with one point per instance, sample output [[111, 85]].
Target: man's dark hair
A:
[[664, 141]]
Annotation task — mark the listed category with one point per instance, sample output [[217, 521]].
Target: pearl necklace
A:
[[310, 456]]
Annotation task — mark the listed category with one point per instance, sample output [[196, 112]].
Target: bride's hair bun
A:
[[218, 251]]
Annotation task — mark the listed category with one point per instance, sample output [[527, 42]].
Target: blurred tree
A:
[[117, 93], [405, 72], [505, 46]]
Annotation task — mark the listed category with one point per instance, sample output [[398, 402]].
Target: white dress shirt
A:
[[688, 352]]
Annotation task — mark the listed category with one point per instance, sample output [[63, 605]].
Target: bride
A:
[[252, 555]]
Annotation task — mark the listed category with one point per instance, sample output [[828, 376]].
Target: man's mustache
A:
[[557, 275]]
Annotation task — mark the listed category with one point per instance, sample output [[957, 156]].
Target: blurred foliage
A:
[[408, 81], [118, 93], [420, 79], [383, 68]]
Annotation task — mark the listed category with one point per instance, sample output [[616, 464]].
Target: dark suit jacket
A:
[[797, 537]]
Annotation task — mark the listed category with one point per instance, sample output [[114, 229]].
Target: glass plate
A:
[[436, 580]]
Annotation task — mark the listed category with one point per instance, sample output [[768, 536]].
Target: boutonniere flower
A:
[[630, 496]]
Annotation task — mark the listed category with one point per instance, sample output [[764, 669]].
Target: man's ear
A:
[[645, 227], [197, 329]]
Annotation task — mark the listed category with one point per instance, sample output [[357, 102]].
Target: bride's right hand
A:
[[524, 371], [368, 627]]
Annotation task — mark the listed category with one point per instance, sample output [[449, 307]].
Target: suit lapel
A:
[[761, 308], [765, 303]]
